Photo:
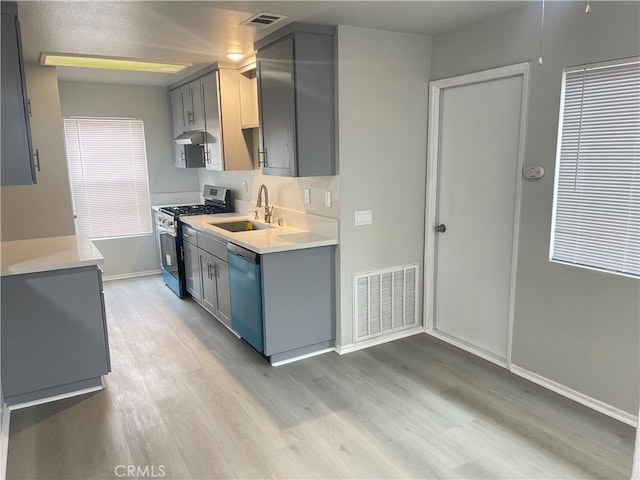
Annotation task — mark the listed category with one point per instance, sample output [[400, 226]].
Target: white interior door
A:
[[477, 179]]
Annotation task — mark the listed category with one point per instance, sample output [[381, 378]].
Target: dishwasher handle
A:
[[243, 253]]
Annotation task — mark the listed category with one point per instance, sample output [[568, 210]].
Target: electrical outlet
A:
[[307, 195], [327, 198], [245, 186], [364, 217]]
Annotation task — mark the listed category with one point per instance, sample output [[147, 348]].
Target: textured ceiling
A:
[[203, 32]]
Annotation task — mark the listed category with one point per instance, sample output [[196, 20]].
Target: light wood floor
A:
[[188, 399]]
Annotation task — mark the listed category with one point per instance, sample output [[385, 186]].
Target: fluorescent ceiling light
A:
[[112, 63], [235, 56]]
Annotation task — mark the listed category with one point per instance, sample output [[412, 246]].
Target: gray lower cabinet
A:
[[18, 167], [296, 100], [214, 280], [298, 302], [207, 273], [192, 270], [223, 294], [53, 333]]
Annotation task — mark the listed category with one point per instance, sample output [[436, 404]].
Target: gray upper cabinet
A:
[[187, 114], [296, 99], [277, 109], [193, 100], [186, 108], [228, 146], [211, 104], [177, 112], [213, 126], [18, 166]]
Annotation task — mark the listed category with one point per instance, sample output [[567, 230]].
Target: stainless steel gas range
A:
[[216, 200]]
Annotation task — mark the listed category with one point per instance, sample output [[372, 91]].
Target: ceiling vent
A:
[[262, 20]]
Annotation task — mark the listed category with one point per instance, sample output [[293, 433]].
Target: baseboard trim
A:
[[302, 357], [354, 347], [4, 446], [54, 398], [576, 396], [478, 352], [124, 276]]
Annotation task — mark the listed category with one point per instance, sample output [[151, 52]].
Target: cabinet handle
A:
[[29, 107], [190, 117], [262, 162], [36, 157], [182, 254], [209, 274], [215, 270]]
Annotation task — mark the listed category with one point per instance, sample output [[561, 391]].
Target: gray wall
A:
[[382, 144], [132, 255], [572, 325], [44, 209]]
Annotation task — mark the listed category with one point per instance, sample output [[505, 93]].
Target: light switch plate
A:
[[245, 186], [364, 217]]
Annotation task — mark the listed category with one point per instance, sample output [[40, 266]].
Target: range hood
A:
[[195, 137]]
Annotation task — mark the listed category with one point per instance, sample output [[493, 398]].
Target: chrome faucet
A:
[[268, 211]]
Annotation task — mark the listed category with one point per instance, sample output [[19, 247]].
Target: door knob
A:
[[441, 228]]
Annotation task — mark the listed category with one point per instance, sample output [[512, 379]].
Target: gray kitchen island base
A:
[[54, 334], [81, 387]]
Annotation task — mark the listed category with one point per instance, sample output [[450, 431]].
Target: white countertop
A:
[[268, 240], [45, 254]]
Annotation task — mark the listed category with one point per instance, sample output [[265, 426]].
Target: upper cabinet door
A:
[[296, 98], [18, 167], [276, 97], [197, 111], [187, 107], [177, 112], [213, 132], [192, 112]]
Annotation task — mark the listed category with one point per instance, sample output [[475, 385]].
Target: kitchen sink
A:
[[241, 226]]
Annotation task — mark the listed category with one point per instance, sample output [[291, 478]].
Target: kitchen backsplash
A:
[[284, 192]]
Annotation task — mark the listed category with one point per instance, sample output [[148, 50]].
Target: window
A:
[[596, 216], [108, 174]]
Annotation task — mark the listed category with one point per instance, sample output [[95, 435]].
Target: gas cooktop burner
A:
[[191, 210]]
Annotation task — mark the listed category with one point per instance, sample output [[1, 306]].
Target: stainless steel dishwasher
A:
[[246, 295]]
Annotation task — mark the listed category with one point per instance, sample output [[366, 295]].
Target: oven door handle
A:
[[165, 230]]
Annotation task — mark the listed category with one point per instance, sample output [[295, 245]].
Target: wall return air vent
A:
[[385, 301], [262, 20]]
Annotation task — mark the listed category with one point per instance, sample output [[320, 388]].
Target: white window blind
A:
[[597, 193], [108, 175]]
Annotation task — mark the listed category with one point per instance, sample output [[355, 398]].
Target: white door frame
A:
[[435, 100]]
